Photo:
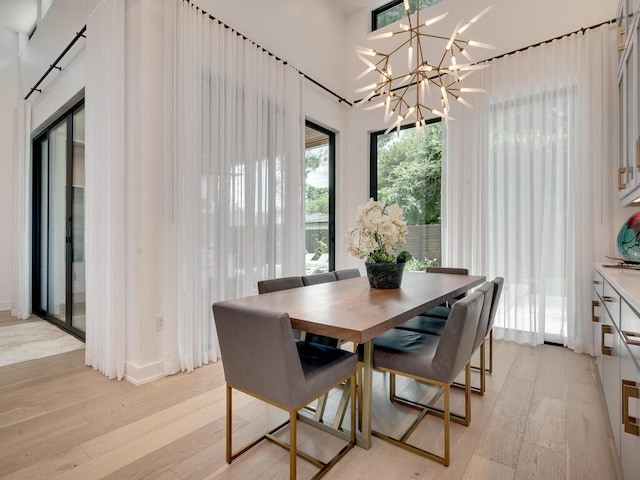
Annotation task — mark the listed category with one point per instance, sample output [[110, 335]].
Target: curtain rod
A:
[[544, 42], [244, 37], [581, 30], [55, 64]]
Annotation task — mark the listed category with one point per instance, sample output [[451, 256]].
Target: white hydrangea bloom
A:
[[379, 229]]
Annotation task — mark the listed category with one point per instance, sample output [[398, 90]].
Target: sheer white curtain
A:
[[105, 207], [21, 288], [234, 175], [527, 184]]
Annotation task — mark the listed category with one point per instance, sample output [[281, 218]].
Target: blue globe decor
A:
[[629, 238]]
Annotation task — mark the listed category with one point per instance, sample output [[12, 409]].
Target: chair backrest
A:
[[317, 278], [487, 289], [259, 352], [347, 273], [275, 284], [498, 283], [450, 270], [456, 342]]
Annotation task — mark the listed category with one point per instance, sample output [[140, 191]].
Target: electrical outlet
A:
[[159, 323]]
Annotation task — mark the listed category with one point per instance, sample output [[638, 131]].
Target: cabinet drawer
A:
[[630, 330], [611, 301], [598, 283]]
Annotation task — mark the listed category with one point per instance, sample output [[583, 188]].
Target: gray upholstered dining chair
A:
[[443, 311], [275, 284], [283, 283], [261, 358], [433, 359], [435, 326], [316, 278], [347, 273], [498, 283]]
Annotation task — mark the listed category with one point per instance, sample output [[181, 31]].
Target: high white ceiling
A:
[[18, 15]]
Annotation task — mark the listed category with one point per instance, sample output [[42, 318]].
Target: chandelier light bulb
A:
[[373, 86], [488, 46], [378, 36], [433, 20], [410, 56], [474, 20], [472, 90], [464, 102]]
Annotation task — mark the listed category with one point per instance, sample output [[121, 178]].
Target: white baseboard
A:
[[5, 306], [139, 375]]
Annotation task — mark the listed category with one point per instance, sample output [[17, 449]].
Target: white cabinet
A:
[[615, 315], [628, 82]]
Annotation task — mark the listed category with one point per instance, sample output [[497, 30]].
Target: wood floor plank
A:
[[546, 423], [538, 463], [481, 468]]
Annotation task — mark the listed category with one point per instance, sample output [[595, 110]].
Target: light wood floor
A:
[[542, 418]]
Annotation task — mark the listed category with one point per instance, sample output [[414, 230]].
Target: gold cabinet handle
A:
[[597, 282], [621, 185], [594, 317], [609, 299], [606, 329], [631, 338], [629, 390]]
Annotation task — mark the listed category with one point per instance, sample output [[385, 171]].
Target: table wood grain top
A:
[[353, 311]]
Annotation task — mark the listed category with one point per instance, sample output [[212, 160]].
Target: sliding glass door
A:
[[58, 223]]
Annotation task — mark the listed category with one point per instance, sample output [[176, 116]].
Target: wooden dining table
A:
[[350, 310]]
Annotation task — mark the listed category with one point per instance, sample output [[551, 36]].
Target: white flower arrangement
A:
[[379, 231]]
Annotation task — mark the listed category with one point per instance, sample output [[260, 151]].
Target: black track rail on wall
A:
[[55, 65]]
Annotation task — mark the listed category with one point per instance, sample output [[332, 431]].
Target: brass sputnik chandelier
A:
[[406, 95]]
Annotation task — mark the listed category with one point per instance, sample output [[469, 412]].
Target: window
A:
[[394, 11], [319, 199], [406, 169]]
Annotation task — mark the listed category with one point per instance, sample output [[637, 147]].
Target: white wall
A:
[[309, 34]]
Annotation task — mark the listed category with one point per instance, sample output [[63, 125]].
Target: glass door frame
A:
[[332, 189], [37, 265]]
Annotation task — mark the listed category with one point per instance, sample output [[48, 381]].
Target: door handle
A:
[[621, 184], [631, 338], [629, 390], [606, 329], [594, 317]]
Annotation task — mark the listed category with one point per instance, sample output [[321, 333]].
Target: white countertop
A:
[[625, 281]]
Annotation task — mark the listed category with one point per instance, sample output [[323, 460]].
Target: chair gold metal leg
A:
[[392, 385], [320, 406], [342, 405], [467, 394], [228, 424], [483, 385], [447, 422], [293, 422], [402, 441], [491, 351]]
